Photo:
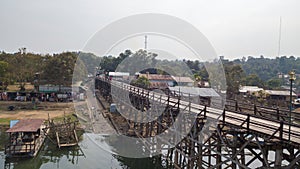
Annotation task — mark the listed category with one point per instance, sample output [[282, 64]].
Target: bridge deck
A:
[[268, 127]]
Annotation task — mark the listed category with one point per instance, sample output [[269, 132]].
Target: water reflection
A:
[[107, 143], [88, 155], [145, 163], [48, 154]]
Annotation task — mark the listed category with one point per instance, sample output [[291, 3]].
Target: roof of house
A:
[[158, 85], [279, 92], [204, 92], [118, 74], [245, 89], [157, 77], [182, 79], [26, 125]]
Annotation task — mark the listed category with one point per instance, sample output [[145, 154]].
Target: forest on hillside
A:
[[267, 68], [264, 72], [252, 71]]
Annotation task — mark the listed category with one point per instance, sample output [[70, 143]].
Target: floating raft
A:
[[26, 137]]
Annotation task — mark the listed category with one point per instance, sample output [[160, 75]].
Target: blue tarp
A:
[[12, 123]]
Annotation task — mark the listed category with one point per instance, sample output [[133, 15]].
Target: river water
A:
[[90, 154], [87, 155]]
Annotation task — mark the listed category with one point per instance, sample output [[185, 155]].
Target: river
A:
[[90, 154], [87, 155]]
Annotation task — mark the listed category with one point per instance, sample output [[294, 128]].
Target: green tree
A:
[[90, 61], [142, 82], [137, 62], [253, 80], [3, 68], [110, 63], [274, 83], [3, 71], [59, 69], [234, 74]]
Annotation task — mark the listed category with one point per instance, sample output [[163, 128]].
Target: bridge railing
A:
[[262, 120], [254, 123], [275, 113]]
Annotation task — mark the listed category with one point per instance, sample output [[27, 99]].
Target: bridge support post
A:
[[200, 152], [278, 157], [243, 159], [219, 149], [176, 158], [265, 154], [234, 147]]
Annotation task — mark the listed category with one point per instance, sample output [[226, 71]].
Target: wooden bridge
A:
[[225, 134]]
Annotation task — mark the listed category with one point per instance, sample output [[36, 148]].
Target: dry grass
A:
[[54, 110], [15, 87]]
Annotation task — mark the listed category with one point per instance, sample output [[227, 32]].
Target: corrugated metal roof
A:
[[280, 92], [26, 125], [158, 85], [245, 89], [204, 92], [118, 73], [182, 79], [157, 77]]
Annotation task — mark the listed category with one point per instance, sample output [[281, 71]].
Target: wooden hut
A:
[[25, 138]]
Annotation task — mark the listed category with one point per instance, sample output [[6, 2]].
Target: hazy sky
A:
[[235, 28]]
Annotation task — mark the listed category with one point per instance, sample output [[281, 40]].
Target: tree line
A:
[[57, 69], [22, 67], [251, 71]]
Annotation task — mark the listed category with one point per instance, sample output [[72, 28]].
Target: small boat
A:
[[26, 137]]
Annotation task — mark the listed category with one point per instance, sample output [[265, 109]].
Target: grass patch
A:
[[4, 122], [61, 118]]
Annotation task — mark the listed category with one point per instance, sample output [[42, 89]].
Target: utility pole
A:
[[292, 78], [146, 42]]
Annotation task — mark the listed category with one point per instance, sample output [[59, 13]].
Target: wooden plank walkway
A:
[[252, 123]]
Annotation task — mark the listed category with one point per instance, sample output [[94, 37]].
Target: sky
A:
[[235, 28]]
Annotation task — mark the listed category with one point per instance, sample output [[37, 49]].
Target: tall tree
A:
[[3, 71], [234, 74], [59, 69], [142, 82], [252, 80]]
